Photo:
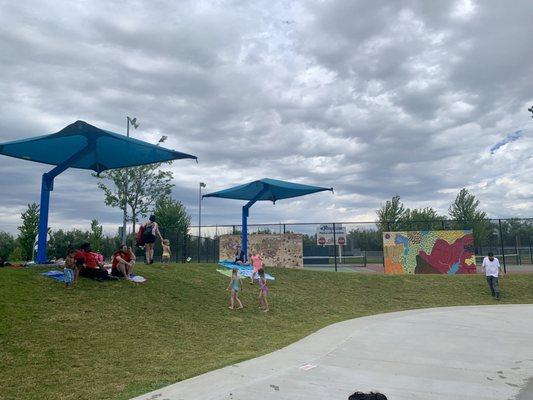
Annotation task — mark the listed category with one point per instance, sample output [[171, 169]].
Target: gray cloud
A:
[[375, 99]]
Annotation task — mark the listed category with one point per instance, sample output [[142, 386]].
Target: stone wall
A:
[[278, 250]]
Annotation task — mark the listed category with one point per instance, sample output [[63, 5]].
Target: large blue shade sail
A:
[[84, 146], [263, 190], [267, 189], [98, 149]]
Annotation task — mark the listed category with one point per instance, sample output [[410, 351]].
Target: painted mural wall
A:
[[429, 252], [279, 250]]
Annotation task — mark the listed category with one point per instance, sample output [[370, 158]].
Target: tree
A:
[[172, 219], [465, 207], [135, 190], [466, 215], [392, 215], [28, 231], [424, 219], [96, 235], [171, 216], [7, 245], [61, 241]]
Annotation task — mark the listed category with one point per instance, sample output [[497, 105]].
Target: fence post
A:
[[442, 223], [502, 246], [335, 245], [284, 229], [233, 232]]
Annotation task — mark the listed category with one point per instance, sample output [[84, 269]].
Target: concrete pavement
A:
[[467, 353]]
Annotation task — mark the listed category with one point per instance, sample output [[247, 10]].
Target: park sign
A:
[[326, 235]]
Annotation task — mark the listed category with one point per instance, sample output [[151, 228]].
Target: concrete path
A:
[[466, 353]]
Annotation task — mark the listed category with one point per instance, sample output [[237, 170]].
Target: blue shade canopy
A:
[[97, 149], [267, 189]]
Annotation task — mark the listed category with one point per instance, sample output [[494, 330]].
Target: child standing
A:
[[235, 283], [263, 291], [257, 263], [70, 271], [166, 251]]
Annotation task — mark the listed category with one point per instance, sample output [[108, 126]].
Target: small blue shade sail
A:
[[267, 189], [103, 149], [263, 190]]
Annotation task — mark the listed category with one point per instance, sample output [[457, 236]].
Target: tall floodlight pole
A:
[[202, 185], [135, 124]]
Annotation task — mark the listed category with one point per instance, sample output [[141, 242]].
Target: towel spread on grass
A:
[[60, 276], [244, 270]]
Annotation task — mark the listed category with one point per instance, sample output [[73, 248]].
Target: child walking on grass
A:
[[70, 271], [235, 284], [166, 251], [263, 291]]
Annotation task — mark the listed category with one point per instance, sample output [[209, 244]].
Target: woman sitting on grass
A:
[[89, 266], [123, 262]]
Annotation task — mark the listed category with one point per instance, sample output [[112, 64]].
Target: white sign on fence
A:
[[325, 235]]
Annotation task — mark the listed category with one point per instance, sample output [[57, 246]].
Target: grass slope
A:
[[114, 340]]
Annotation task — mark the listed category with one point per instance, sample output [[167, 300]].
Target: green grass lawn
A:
[[114, 340]]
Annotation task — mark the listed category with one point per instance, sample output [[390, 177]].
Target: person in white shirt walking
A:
[[492, 269]]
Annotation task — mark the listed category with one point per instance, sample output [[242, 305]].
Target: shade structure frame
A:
[[83, 146], [262, 190]]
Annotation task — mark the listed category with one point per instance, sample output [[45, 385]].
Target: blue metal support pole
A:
[[47, 186], [245, 214]]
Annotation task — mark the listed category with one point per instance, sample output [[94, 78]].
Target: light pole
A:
[[202, 185], [135, 124]]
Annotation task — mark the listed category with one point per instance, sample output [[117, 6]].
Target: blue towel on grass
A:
[[244, 270]]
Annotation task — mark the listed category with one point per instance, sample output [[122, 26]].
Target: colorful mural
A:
[[279, 250], [429, 252]]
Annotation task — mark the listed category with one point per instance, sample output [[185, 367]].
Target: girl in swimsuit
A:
[[263, 291], [235, 283]]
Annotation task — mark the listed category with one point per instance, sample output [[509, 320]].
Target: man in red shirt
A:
[[90, 267], [123, 262]]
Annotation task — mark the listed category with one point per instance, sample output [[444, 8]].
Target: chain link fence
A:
[[511, 240]]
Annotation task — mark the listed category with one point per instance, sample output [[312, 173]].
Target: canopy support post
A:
[[47, 186], [245, 215]]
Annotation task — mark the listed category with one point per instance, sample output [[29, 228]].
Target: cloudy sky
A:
[[373, 98]]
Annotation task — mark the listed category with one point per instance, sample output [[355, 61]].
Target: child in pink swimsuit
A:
[[263, 291], [257, 263]]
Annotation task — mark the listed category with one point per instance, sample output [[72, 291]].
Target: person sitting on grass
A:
[[263, 291], [235, 284], [70, 270], [166, 251], [239, 257], [89, 265], [123, 262]]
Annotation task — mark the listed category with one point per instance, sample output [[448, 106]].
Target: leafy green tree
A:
[[28, 231], [16, 254], [466, 214], [7, 245], [135, 190], [424, 219], [96, 235], [365, 239], [392, 215], [171, 215], [61, 241]]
